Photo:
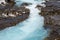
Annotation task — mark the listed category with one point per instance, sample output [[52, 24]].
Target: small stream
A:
[[30, 29]]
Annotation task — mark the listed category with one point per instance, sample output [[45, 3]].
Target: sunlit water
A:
[[30, 29]]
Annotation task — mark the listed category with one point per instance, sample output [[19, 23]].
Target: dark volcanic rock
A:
[[12, 21], [52, 0], [10, 2], [51, 13], [25, 4], [11, 16], [53, 36]]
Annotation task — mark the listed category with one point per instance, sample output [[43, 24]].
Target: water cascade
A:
[[30, 29]]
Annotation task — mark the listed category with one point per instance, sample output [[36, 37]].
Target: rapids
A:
[[30, 29]]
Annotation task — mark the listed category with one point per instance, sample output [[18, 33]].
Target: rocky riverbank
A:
[[51, 14], [12, 15]]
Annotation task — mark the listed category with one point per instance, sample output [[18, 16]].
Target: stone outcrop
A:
[[12, 15], [54, 35], [51, 14], [12, 21]]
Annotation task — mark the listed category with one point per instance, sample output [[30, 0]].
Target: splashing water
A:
[[30, 29]]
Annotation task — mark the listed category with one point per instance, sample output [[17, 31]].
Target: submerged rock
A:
[[25, 4]]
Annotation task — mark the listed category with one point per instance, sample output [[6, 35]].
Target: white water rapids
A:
[[30, 29]]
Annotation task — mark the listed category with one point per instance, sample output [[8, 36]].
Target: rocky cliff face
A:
[[51, 14]]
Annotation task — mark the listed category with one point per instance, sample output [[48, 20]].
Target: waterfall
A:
[[30, 29]]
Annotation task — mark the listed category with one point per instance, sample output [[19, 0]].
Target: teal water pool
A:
[[30, 29]]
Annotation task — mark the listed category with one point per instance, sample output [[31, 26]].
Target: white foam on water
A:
[[29, 29]]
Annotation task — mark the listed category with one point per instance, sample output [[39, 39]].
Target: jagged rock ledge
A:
[[12, 15]]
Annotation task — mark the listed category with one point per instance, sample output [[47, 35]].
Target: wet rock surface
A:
[[12, 15], [51, 14]]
